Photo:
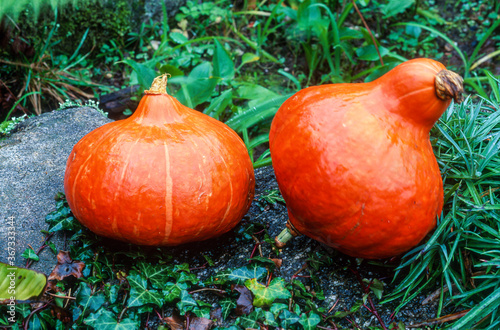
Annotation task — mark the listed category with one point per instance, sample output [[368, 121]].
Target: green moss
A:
[[106, 20]]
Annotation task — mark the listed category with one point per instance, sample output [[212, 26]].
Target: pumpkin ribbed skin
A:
[[354, 162], [167, 175]]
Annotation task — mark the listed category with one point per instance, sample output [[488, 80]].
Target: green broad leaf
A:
[[288, 318], [20, 283], [87, 301], [223, 65], [145, 74], [265, 295], [178, 38], [173, 291], [187, 303], [394, 7], [369, 53], [139, 293], [158, 275], [173, 71], [380, 71], [30, 254], [348, 34], [106, 320], [197, 87], [255, 92], [219, 104], [242, 274], [309, 322], [249, 58]]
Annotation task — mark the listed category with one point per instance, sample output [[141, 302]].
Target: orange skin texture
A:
[[354, 162], [165, 176]]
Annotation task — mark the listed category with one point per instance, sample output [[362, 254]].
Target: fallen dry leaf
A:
[[66, 267], [244, 304], [200, 323], [175, 322]]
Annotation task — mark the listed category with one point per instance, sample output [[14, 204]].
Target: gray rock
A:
[[32, 164]]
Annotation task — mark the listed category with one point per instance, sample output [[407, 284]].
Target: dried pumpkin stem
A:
[[159, 85], [449, 85], [286, 234]]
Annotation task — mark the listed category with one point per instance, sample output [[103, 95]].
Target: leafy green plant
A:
[[48, 76]]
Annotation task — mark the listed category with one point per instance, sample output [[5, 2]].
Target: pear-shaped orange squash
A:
[[167, 175], [354, 162]]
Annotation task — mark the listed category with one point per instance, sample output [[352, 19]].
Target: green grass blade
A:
[[479, 311]]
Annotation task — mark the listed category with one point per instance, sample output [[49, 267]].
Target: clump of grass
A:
[[463, 253]]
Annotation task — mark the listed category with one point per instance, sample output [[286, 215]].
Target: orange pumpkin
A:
[[354, 162], [167, 175]]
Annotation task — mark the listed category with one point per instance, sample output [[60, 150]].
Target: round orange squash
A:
[[354, 162], [165, 176]]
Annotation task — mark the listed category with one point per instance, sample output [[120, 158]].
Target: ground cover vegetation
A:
[[237, 62]]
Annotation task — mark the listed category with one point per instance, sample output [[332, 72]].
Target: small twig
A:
[[159, 316], [433, 296], [200, 267], [335, 304], [296, 274], [62, 297], [442, 319], [67, 301], [369, 31], [208, 289]]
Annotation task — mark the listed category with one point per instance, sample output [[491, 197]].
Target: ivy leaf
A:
[[309, 322], [29, 253], [265, 296], [242, 274], [106, 320], [173, 290], [139, 293], [277, 308], [250, 320], [187, 303], [187, 277], [227, 306], [288, 318], [89, 302], [270, 319], [157, 275], [264, 262]]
